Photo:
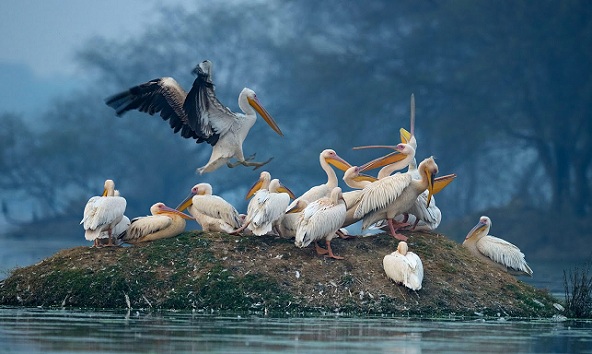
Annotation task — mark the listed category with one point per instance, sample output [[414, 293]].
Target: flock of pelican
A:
[[400, 196]]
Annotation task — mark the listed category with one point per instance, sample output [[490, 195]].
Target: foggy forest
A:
[[503, 97]]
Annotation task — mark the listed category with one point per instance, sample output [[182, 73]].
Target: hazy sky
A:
[[39, 38]]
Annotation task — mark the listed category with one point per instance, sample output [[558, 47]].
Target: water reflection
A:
[[46, 331]]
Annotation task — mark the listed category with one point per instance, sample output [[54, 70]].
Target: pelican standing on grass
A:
[[199, 115], [393, 195], [102, 213], [404, 266], [164, 222], [495, 251], [320, 220], [211, 212], [267, 206]]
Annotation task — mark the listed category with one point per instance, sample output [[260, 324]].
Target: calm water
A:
[[61, 331]]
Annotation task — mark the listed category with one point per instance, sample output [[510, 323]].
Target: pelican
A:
[[495, 251], [211, 211], [119, 229], [404, 266], [393, 195], [319, 220], [164, 222], [102, 213], [267, 206], [326, 157], [199, 115]]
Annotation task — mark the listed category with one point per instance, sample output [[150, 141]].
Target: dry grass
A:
[[219, 272], [578, 291]]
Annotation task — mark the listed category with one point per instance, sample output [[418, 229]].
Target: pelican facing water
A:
[[102, 213], [198, 114], [495, 251], [404, 267]]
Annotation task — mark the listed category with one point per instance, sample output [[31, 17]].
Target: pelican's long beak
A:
[[254, 102], [477, 228], [338, 162], [284, 189], [393, 157], [254, 188], [186, 203], [296, 208], [365, 178], [166, 209], [441, 182], [430, 177], [392, 147], [104, 192], [405, 136]]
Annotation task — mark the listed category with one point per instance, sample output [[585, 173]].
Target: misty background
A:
[[503, 99]]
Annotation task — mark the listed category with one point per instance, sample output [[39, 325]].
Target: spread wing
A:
[[162, 95], [205, 112]]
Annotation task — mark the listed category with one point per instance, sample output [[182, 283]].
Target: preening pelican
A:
[[495, 251], [102, 213], [119, 229], [319, 220], [164, 222], [393, 195], [212, 212], [198, 114], [267, 206], [404, 266]]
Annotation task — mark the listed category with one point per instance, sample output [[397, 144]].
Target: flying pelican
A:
[[319, 220], [404, 266], [164, 222], [198, 114], [495, 251], [102, 213], [211, 211], [393, 195], [267, 206]]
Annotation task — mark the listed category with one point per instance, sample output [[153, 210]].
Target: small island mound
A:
[[219, 272]]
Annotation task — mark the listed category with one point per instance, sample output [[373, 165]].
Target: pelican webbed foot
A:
[[394, 226], [248, 163], [329, 252]]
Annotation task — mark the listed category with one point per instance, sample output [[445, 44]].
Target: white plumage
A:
[[102, 213], [495, 251], [211, 212], [320, 220], [404, 267], [164, 222]]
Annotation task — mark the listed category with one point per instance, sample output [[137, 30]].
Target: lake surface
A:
[[68, 331]]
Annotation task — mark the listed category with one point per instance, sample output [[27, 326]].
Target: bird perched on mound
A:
[[102, 213], [404, 266], [495, 251], [198, 114]]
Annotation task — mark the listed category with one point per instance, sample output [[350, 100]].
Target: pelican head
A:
[[254, 102], [330, 156], [429, 168], [109, 188], [198, 189], [402, 151], [354, 173], [160, 208], [402, 247], [276, 186], [262, 183], [481, 229], [297, 207]]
